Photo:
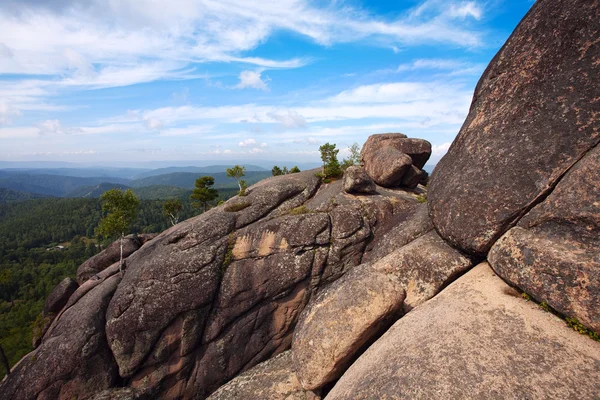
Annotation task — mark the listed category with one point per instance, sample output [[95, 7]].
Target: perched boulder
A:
[[477, 339], [424, 267], [356, 180], [111, 254], [59, 296], [273, 379], [534, 114], [553, 253], [419, 150], [387, 166], [340, 321]]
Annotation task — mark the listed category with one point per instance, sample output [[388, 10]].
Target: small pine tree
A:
[[203, 193], [171, 209], [121, 210], [331, 165], [237, 172], [276, 171], [285, 171], [294, 170], [354, 158]]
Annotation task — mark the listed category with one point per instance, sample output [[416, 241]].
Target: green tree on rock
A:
[[294, 170], [171, 210], [237, 172], [354, 158], [331, 165], [203, 193], [276, 171], [121, 210]]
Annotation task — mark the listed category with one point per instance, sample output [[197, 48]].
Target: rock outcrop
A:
[[535, 113], [273, 379], [477, 339]]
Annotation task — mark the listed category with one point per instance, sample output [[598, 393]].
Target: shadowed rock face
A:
[[356, 180], [535, 112], [74, 360], [553, 254], [477, 339]]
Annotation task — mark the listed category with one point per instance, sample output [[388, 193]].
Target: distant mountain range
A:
[[160, 183]]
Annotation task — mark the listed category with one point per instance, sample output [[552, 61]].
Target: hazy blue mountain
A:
[[211, 169], [95, 191], [53, 185], [125, 173], [186, 179]]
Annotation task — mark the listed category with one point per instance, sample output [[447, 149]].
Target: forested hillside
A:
[[31, 264]]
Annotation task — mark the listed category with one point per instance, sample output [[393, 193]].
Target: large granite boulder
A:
[[74, 360], [273, 379], [340, 320], [477, 339], [102, 260], [356, 180], [419, 150], [553, 254], [534, 114]]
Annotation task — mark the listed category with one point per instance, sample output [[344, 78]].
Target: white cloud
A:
[[7, 113], [264, 145], [291, 119], [252, 79], [439, 150], [55, 127], [256, 150], [247, 143], [188, 130], [465, 9]]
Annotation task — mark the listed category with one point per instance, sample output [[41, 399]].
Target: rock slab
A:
[[340, 320], [478, 339]]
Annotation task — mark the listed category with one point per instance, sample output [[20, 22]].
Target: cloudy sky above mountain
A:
[[130, 81]]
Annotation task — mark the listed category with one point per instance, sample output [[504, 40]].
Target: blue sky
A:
[[125, 81]]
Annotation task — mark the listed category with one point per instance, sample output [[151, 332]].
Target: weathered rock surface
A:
[[74, 360], [553, 254], [117, 394], [400, 231], [424, 267], [273, 379], [387, 166], [110, 255], [59, 296], [476, 339], [214, 295], [535, 112], [356, 180], [340, 320]]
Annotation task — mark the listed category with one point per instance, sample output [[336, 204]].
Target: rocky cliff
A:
[[356, 290]]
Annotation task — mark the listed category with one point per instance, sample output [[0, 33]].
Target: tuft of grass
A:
[[544, 306], [580, 328], [526, 296], [239, 206], [299, 210], [422, 198], [228, 259]]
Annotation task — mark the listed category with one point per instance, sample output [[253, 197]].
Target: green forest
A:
[[30, 266]]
